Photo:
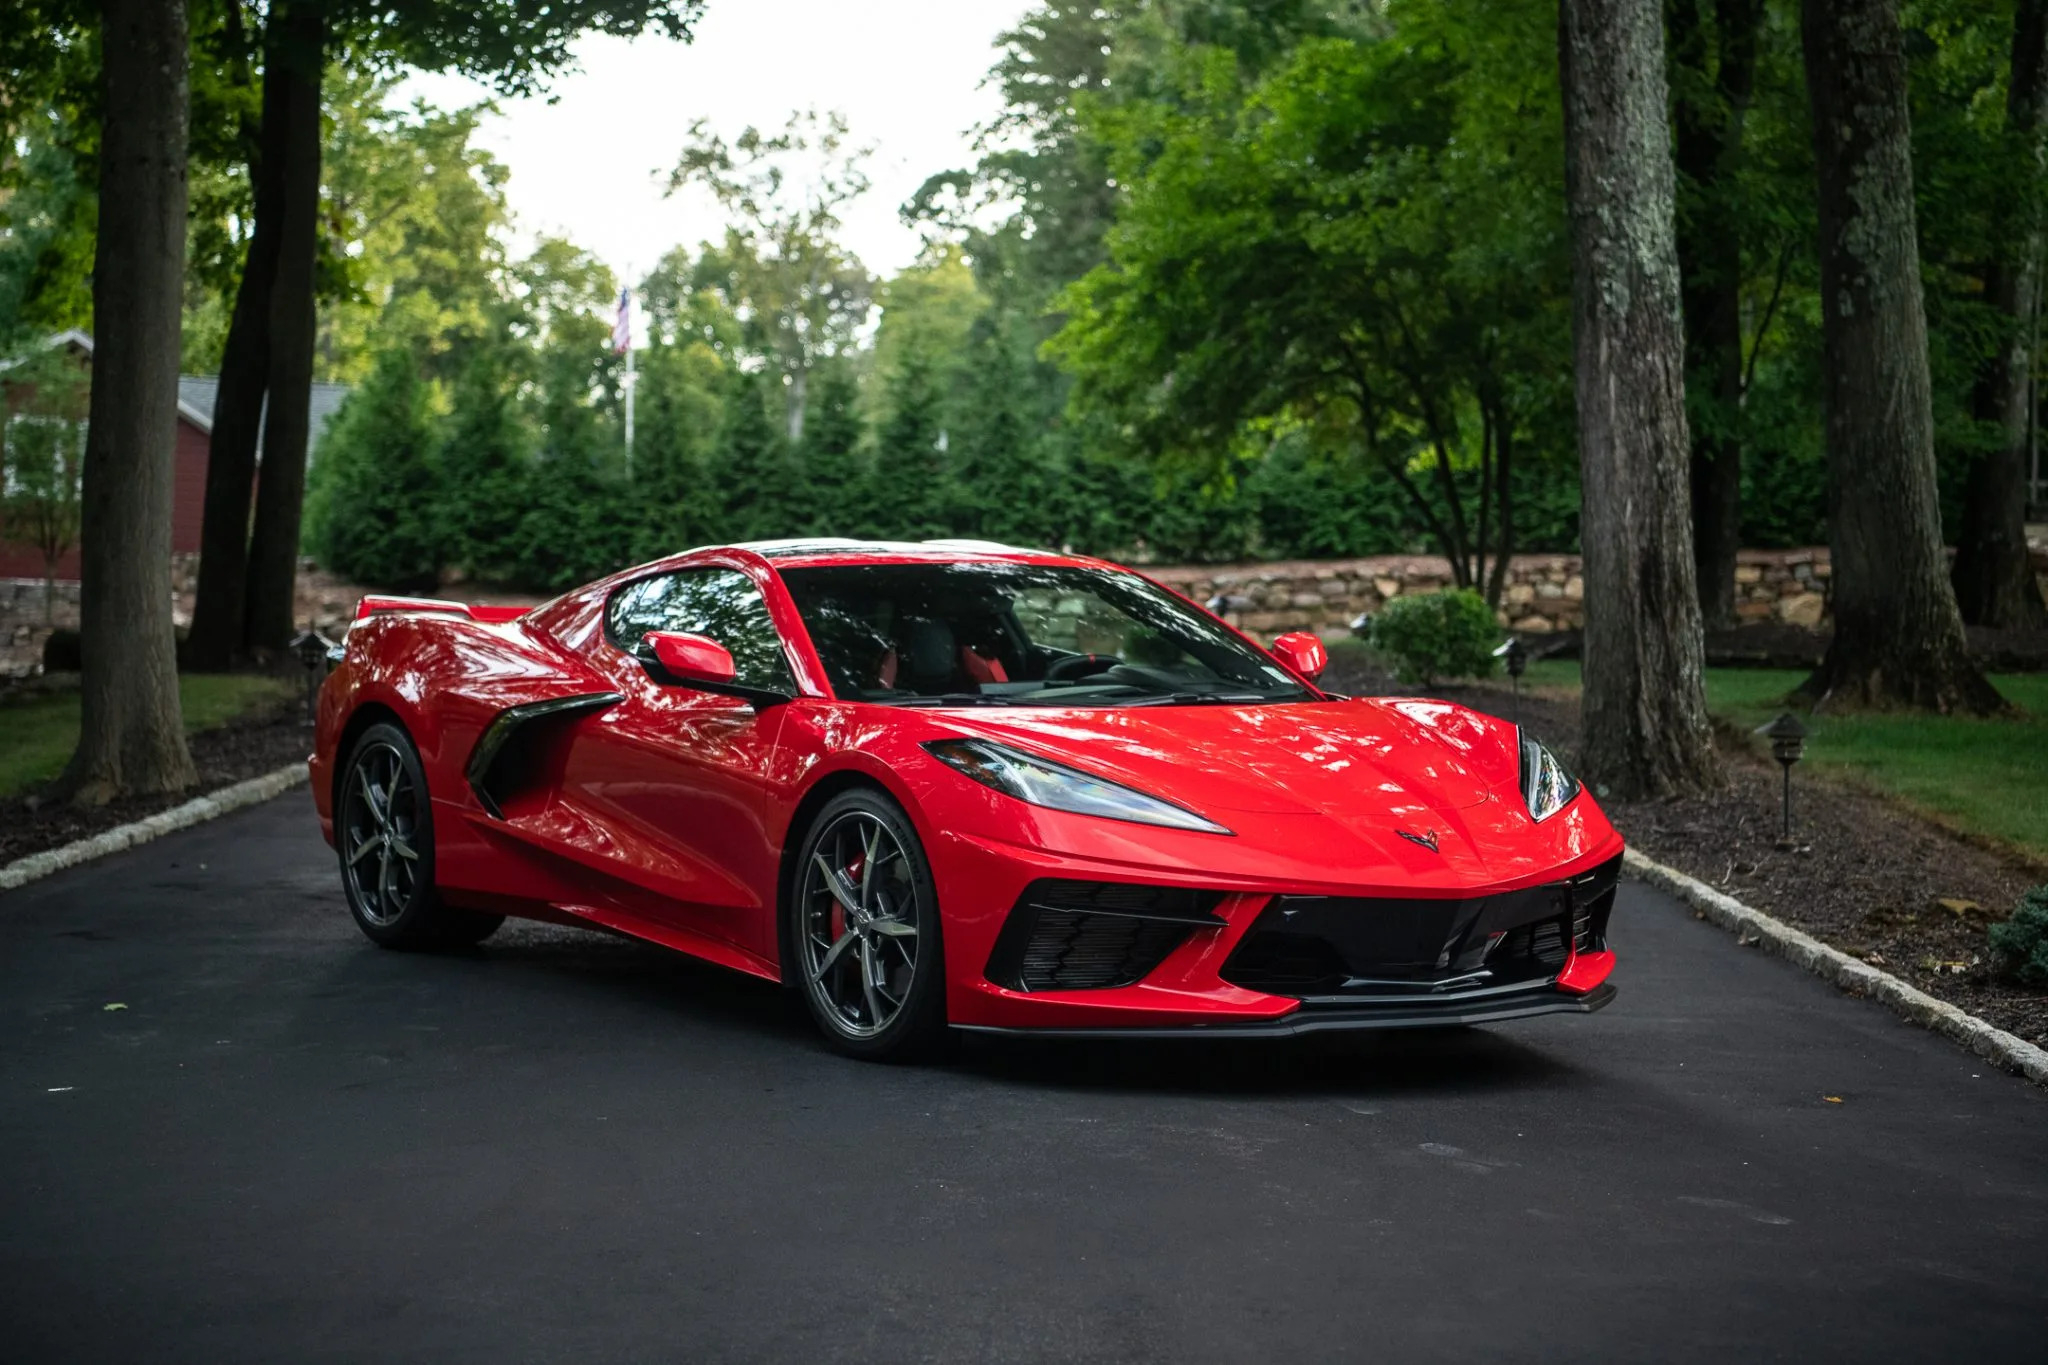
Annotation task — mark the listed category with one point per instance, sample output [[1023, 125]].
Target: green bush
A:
[[373, 501], [2020, 945], [1431, 636]]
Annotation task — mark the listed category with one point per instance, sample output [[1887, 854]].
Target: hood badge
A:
[[1427, 838]]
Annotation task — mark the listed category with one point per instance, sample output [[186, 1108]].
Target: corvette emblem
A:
[[1427, 838]]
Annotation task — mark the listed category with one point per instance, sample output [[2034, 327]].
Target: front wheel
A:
[[865, 928], [384, 834]]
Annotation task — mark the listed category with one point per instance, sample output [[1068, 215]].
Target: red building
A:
[[195, 430]]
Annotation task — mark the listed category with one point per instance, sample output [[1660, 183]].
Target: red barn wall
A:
[[188, 510]]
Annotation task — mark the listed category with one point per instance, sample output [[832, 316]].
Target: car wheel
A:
[[384, 835], [864, 922]]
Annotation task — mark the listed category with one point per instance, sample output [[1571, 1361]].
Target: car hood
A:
[[1346, 758]]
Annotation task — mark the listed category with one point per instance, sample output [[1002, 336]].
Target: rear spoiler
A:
[[481, 612]]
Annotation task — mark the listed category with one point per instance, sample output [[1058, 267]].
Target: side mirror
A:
[[1303, 653], [699, 662], [689, 658]]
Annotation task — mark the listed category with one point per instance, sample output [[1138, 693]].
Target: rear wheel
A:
[[865, 927], [384, 834]]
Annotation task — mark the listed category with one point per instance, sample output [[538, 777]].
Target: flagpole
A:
[[631, 383]]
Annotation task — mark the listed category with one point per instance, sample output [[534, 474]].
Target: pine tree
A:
[[484, 462], [909, 492], [834, 478], [743, 469], [375, 507]]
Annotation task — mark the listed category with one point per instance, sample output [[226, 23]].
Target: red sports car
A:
[[955, 784]]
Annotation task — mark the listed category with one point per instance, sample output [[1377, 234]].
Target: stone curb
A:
[[194, 812], [1833, 965]]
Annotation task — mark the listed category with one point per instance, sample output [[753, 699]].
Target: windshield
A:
[[1022, 634]]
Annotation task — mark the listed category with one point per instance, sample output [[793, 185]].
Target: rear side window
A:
[[721, 604]]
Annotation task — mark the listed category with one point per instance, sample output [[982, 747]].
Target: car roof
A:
[[800, 553]]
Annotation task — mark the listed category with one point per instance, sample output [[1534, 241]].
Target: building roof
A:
[[197, 393]]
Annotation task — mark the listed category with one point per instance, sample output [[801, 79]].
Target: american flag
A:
[[622, 330]]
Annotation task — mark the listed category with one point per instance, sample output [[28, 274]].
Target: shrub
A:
[[1429, 636], [373, 501], [2020, 945]]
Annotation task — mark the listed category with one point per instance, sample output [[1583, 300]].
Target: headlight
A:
[[1546, 787], [1042, 782]]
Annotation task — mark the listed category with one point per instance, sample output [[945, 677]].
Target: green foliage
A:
[[1438, 635], [374, 509], [2021, 943]]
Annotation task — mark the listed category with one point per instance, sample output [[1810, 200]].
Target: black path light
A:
[[1788, 746], [1516, 655], [313, 652]]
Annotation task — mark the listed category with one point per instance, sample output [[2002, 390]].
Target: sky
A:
[[591, 165]]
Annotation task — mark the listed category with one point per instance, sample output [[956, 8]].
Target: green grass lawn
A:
[[1985, 777], [38, 733]]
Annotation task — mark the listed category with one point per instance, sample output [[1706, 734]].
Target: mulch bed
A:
[[232, 753], [1869, 876]]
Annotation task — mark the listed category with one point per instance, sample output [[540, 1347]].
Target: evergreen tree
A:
[[376, 510], [909, 493], [748, 458], [834, 478], [484, 465]]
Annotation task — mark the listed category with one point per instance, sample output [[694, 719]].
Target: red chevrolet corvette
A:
[[955, 784]]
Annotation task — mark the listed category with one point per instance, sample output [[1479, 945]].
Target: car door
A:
[[677, 778]]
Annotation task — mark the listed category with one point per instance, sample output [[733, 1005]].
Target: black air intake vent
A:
[[1069, 936]]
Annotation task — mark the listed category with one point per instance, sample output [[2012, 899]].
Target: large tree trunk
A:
[[1644, 706], [1898, 637], [297, 57], [1994, 582], [219, 607], [131, 733], [1711, 105]]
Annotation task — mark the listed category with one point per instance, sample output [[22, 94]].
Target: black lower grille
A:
[[1330, 946], [1066, 935]]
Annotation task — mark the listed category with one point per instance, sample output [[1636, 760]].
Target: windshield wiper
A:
[[1200, 699], [956, 699]]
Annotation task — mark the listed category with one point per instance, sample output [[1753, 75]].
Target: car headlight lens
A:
[[1042, 782], [1546, 787]]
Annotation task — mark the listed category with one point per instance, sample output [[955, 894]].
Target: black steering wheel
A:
[[1080, 666]]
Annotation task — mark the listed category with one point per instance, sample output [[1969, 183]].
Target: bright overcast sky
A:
[[906, 73]]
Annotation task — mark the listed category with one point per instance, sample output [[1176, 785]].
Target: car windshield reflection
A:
[[1006, 634]]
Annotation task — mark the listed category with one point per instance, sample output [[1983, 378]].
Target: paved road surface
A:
[[293, 1146]]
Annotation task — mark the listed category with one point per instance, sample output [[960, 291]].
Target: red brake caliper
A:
[[839, 911]]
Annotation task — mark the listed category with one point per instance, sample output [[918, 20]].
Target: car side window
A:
[[720, 604]]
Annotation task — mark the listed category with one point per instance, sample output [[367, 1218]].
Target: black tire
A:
[[386, 849], [877, 964]]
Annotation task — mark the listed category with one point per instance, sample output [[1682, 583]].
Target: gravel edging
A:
[[196, 811], [1833, 965]]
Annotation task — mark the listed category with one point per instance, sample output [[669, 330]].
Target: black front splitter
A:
[[1346, 1019]]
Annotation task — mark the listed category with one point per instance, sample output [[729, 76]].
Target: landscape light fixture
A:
[[1788, 746], [1516, 655], [312, 649]]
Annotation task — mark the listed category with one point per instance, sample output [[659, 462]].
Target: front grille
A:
[[1333, 946], [1067, 935]]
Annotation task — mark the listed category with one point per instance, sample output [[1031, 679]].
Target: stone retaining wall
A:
[[1544, 593]]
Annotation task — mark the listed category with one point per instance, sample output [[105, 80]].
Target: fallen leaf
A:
[[1832, 1099], [1957, 906], [115, 1005]]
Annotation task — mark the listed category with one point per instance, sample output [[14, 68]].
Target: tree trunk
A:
[[1644, 705], [296, 57], [131, 736], [219, 606], [1994, 582], [799, 396], [1709, 112], [1898, 637]]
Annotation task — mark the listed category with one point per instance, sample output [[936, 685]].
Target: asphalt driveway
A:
[[290, 1145]]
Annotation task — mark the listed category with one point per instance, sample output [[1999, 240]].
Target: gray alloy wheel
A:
[[865, 930], [384, 836]]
